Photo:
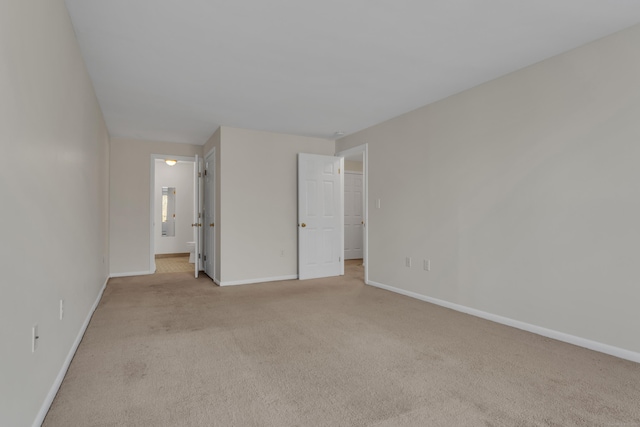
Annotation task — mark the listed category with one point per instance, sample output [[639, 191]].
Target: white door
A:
[[353, 216], [200, 258], [197, 224], [209, 216], [320, 216]]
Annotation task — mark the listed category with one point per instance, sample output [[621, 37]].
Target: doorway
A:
[[171, 212], [357, 158]]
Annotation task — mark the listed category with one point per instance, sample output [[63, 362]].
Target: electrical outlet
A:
[[34, 338], [407, 261], [61, 309], [426, 264], [378, 203]]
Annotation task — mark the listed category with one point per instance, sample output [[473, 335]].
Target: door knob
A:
[[211, 225], [194, 225], [303, 225]]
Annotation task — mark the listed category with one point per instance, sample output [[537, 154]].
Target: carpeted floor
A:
[[174, 264], [171, 350]]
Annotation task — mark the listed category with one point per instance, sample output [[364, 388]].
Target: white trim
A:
[[65, 366], [152, 208], [131, 273], [250, 281], [364, 149], [366, 213], [549, 333], [341, 216]]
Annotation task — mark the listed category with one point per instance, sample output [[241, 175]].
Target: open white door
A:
[[353, 215], [209, 216], [320, 216], [197, 224]]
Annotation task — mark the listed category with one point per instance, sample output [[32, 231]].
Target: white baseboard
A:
[[65, 366], [132, 273], [549, 333], [267, 279]]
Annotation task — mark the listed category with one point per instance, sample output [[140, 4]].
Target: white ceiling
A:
[[173, 70]]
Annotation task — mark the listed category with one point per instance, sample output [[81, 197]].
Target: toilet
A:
[[192, 252]]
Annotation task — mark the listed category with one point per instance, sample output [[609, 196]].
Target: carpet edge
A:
[[538, 330]]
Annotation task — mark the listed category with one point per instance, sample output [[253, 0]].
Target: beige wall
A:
[[54, 212], [213, 142], [130, 200], [353, 166], [523, 192], [256, 201], [259, 202]]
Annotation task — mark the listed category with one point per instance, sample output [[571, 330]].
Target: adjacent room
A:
[[283, 213], [173, 213]]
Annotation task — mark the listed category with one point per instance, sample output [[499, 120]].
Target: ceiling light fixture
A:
[[171, 162], [338, 134]]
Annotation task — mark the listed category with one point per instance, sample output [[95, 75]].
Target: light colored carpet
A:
[[170, 350], [174, 264]]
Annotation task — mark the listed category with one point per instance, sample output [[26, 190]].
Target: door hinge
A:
[[338, 171], [199, 256], [205, 172], [205, 257], [339, 259], [199, 215], [199, 174]]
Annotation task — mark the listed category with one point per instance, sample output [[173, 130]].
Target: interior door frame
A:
[[197, 215], [210, 233], [152, 202], [364, 150]]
